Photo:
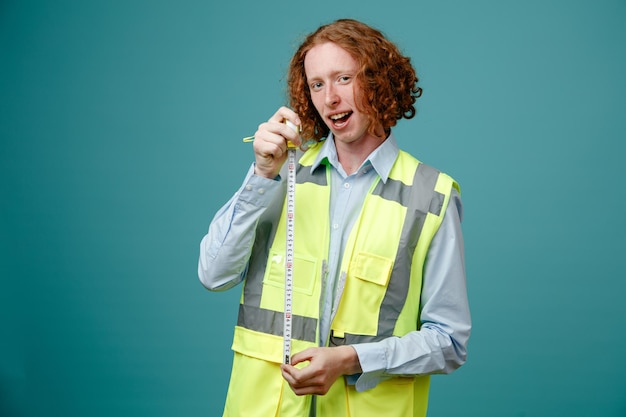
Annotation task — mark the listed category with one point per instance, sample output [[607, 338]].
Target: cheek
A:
[[318, 103]]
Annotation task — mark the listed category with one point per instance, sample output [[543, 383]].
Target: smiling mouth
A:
[[340, 119]]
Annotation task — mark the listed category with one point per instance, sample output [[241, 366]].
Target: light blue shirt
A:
[[439, 346], [347, 195]]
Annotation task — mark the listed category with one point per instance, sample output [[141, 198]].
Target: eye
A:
[[344, 79], [316, 85]]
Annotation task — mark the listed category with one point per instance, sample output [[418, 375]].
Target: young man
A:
[[379, 298]]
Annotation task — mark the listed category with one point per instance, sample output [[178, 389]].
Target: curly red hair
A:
[[387, 78]]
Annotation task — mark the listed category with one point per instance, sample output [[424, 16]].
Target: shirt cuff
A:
[[373, 360], [259, 191]]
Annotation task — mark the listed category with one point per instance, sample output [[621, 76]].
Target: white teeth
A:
[[339, 116]]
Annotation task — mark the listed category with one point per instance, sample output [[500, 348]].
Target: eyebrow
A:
[[334, 74]]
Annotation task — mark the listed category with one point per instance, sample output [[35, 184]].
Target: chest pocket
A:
[[304, 284], [365, 289]]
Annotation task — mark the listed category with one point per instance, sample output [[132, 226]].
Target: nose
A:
[[331, 98]]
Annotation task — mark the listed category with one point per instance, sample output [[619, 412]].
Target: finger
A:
[[277, 133], [303, 356], [285, 113], [299, 383], [269, 143], [297, 376], [292, 134], [286, 371]]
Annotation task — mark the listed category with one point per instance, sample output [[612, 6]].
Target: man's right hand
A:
[[270, 142]]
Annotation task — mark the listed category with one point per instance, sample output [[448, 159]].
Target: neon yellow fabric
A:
[[257, 387]]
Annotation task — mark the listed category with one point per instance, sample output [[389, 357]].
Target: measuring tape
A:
[[289, 261], [291, 210]]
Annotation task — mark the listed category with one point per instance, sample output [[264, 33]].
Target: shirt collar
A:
[[381, 159]]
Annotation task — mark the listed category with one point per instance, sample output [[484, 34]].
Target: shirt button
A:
[[335, 226], [346, 185], [249, 187], [261, 191]]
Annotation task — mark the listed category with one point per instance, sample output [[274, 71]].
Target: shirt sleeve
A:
[[226, 248], [440, 345]]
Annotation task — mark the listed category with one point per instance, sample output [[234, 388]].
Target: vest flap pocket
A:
[[372, 268]]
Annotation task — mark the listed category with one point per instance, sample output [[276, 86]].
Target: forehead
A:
[[327, 59]]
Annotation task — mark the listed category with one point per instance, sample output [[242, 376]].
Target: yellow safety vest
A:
[[380, 286]]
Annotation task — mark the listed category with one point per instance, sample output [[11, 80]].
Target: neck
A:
[[352, 154]]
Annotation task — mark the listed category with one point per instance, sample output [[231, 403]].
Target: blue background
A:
[[120, 137]]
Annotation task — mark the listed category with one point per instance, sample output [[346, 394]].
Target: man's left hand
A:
[[326, 364]]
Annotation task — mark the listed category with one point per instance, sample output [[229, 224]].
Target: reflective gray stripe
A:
[[271, 322], [393, 190], [351, 339], [419, 199], [317, 177], [397, 191], [253, 285], [436, 203], [418, 195]]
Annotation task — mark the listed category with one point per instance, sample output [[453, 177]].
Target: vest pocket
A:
[[304, 272], [257, 389], [397, 397], [372, 268], [365, 289]]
